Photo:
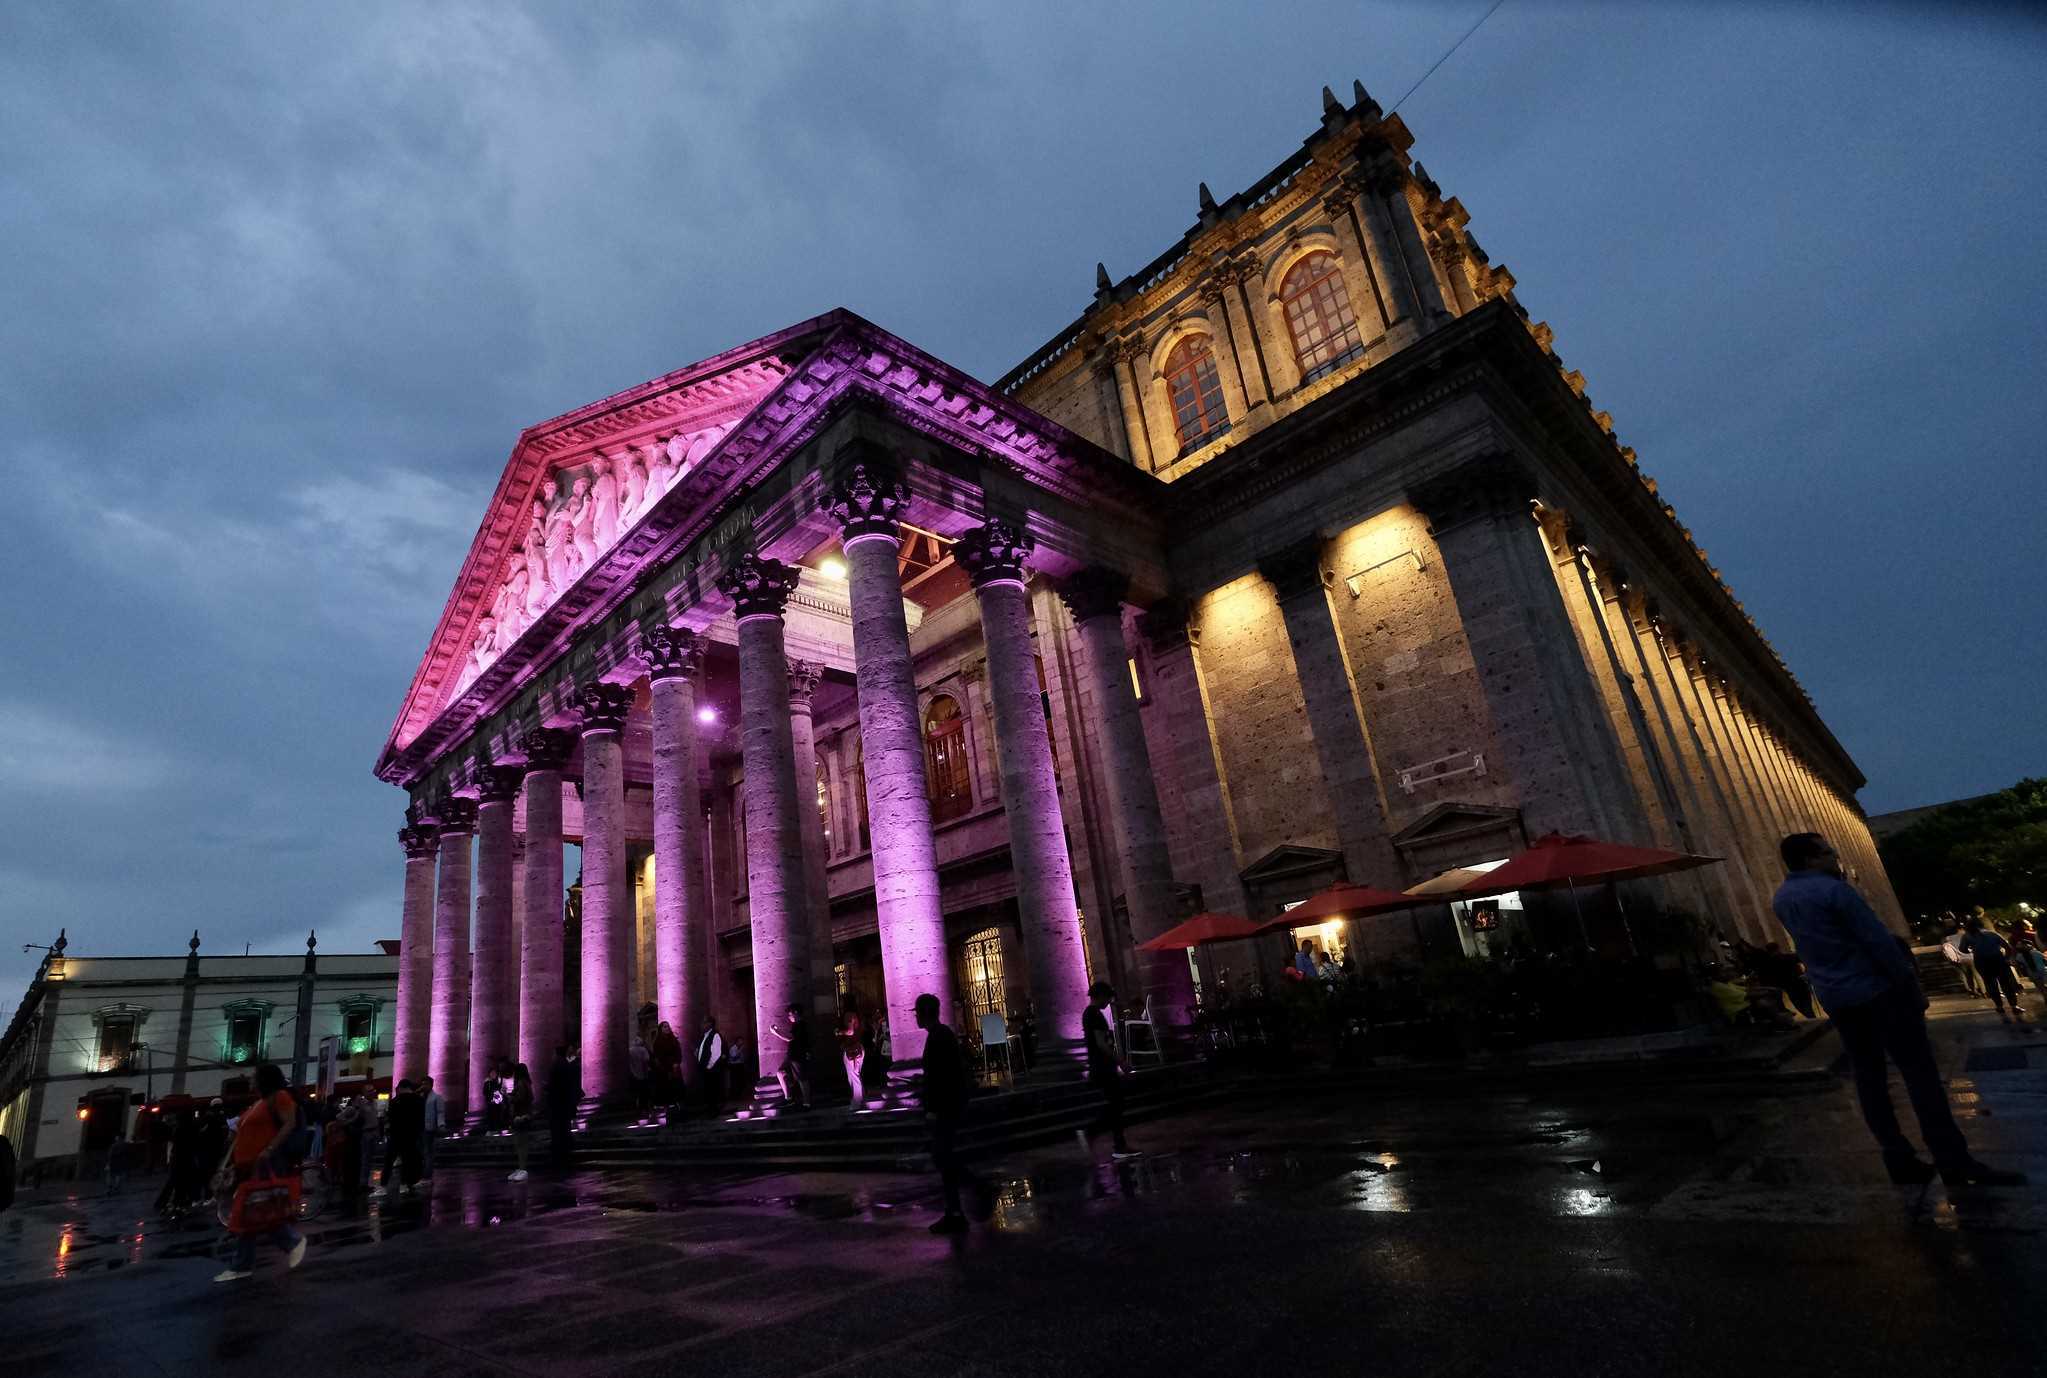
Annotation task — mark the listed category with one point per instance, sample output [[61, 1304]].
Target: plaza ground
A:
[[1701, 1228]]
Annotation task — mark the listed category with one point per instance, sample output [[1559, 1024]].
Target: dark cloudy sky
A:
[[280, 285]]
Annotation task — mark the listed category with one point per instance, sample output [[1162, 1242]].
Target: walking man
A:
[[404, 1137], [1106, 1069], [711, 1065], [943, 1091], [435, 1112], [1865, 977], [564, 1091]]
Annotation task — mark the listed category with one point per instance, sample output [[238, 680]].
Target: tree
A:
[[1990, 851]]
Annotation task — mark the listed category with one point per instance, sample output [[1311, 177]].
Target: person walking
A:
[[852, 1038], [2029, 961], [943, 1089], [519, 1113], [434, 1112], [667, 1057], [1866, 979], [1992, 956], [1951, 947], [117, 1165], [564, 1092], [794, 1074], [405, 1140], [1106, 1068], [711, 1064], [261, 1140], [639, 1070]]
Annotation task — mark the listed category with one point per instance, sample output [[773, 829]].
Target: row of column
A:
[[452, 1021]]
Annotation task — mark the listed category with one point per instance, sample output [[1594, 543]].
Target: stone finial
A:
[[803, 679], [193, 946], [604, 706], [312, 939], [757, 585], [497, 784], [1207, 198], [456, 815], [1362, 102], [419, 841], [1094, 592], [993, 553], [1102, 283], [57, 948], [867, 493], [671, 652], [547, 748], [1330, 104]]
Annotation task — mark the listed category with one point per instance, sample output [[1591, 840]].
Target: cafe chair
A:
[[1150, 1048], [995, 1034]]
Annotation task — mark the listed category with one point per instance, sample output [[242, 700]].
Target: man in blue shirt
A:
[[1865, 977]]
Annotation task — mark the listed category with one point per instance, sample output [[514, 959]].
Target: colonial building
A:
[[97, 1037], [1299, 556]]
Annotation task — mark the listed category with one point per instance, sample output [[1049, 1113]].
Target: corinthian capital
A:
[[495, 784], [867, 493], [993, 553], [757, 586], [419, 844], [671, 652], [547, 748], [803, 678], [456, 815], [604, 706], [1094, 592]]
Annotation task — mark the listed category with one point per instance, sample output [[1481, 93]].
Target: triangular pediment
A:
[[1290, 860], [1450, 820]]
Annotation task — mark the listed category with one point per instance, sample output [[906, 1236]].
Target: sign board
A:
[[1485, 916], [330, 1065]]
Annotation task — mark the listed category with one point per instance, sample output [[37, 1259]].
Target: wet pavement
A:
[[1688, 1229]]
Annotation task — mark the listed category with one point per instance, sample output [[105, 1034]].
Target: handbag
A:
[[264, 1201]]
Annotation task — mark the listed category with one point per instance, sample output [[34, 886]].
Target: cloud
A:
[[43, 752]]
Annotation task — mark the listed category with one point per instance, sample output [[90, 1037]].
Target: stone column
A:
[[1244, 342], [1343, 745], [1367, 302], [540, 945], [826, 1068], [607, 894], [1413, 267], [1136, 425], [495, 996], [413, 1019], [993, 555], [448, 1050], [682, 959], [515, 949], [777, 893], [1550, 728], [1095, 598], [868, 497], [1229, 368], [1362, 201]]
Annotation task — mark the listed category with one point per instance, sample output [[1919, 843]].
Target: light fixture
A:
[[832, 567], [707, 714]]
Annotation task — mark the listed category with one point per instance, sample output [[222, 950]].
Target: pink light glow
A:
[[707, 714]]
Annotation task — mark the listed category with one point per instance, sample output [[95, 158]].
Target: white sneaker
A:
[[297, 1254], [233, 1274], [518, 1175]]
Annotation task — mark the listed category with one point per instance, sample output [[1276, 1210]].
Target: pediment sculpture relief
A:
[[578, 514]]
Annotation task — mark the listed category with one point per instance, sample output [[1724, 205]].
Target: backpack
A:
[[294, 1143]]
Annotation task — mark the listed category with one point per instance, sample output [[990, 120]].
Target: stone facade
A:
[[1298, 557]]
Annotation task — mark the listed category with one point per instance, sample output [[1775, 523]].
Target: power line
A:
[[1447, 54]]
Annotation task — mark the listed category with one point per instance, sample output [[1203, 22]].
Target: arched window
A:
[[824, 805], [1319, 315], [1196, 392], [946, 775]]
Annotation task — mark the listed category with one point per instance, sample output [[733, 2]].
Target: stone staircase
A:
[[839, 1138]]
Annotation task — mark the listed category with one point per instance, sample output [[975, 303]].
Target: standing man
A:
[[564, 1092], [1865, 977], [943, 1091], [711, 1064], [435, 1111], [404, 1136], [1106, 1069]]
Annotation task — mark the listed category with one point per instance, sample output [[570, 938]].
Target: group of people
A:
[[1991, 962]]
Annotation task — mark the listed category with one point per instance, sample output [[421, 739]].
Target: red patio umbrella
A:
[[1202, 928], [1559, 859], [1342, 898]]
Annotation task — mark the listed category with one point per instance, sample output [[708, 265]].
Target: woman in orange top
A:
[[263, 1125]]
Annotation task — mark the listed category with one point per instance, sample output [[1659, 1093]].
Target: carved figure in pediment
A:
[[634, 485], [676, 453], [603, 503], [581, 514], [539, 592], [485, 648], [514, 619], [561, 546]]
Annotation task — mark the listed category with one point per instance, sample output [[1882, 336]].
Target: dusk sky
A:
[[281, 287]]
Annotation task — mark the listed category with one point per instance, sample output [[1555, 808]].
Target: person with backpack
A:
[[269, 1143]]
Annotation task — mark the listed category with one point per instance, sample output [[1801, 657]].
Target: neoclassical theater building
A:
[[1298, 557]]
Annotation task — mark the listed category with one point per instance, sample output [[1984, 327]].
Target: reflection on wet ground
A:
[[1604, 1219]]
